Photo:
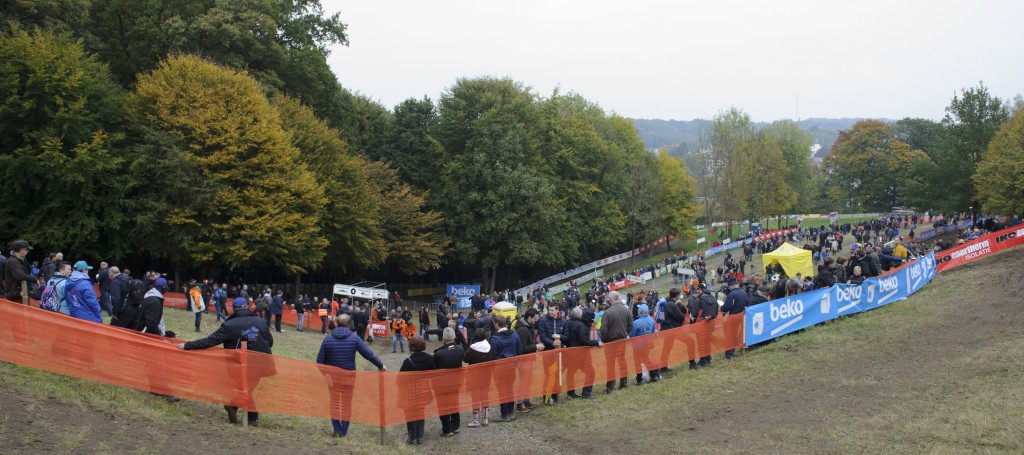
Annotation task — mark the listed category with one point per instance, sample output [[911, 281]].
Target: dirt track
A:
[[937, 373]]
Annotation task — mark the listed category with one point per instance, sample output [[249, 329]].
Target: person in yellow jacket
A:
[[195, 301]]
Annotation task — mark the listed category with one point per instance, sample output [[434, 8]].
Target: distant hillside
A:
[[682, 136]]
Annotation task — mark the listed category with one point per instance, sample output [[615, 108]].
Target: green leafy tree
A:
[[282, 43], [410, 148], [266, 205], [972, 118], [766, 174], [60, 161], [1000, 175], [869, 166], [795, 145], [351, 218], [499, 211]]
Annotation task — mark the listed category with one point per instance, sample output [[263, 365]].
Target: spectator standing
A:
[[58, 282], [81, 298], [479, 352], [339, 350], [506, 344], [735, 303], [616, 324], [103, 279], [242, 326], [277, 309], [17, 271], [413, 390], [195, 302], [449, 356]]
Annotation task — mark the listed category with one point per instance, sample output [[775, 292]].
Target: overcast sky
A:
[[685, 60]]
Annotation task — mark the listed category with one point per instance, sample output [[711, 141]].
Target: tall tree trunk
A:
[[298, 286]]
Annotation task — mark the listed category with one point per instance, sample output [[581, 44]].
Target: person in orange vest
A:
[[195, 301], [323, 310], [397, 332], [334, 308]]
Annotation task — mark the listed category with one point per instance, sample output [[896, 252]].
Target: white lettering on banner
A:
[[826, 302], [888, 284], [852, 293], [786, 310], [871, 293], [971, 249], [757, 327]]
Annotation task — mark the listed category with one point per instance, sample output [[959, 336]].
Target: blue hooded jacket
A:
[[339, 350], [81, 298]]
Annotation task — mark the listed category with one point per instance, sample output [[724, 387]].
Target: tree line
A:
[[212, 136], [968, 160]]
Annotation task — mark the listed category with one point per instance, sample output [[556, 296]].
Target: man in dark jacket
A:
[[361, 321], [526, 328], [505, 344], [125, 313], [579, 335], [446, 357], [103, 280], [242, 326], [553, 331], [735, 303], [17, 270], [339, 350], [151, 313], [825, 277], [702, 307], [615, 325]]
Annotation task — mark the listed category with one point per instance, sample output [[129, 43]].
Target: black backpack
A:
[[136, 293]]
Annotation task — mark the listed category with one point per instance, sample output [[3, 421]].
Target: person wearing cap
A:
[[80, 295], [17, 271], [735, 303], [241, 326], [643, 325]]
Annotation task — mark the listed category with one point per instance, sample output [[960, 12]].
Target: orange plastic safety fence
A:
[[54, 342]]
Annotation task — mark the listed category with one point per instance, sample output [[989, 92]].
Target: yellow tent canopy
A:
[[794, 260]]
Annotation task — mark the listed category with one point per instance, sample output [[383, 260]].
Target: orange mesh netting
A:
[[61, 344]]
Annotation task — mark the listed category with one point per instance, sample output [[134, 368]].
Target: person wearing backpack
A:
[[125, 302], [220, 297], [702, 307], [55, 287]]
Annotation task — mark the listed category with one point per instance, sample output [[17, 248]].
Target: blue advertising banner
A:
[[781, 316], [462, 293]]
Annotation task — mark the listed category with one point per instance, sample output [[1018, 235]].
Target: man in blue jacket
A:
[[643, 325], [80, 296], [339, 350], [505, 344], [735, 303]]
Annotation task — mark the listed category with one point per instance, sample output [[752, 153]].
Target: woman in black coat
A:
[[579, 335], [413, 389]]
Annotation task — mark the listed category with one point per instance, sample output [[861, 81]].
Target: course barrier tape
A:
[[57, 343]]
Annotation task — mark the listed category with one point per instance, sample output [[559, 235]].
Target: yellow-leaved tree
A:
[[226, 186]]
